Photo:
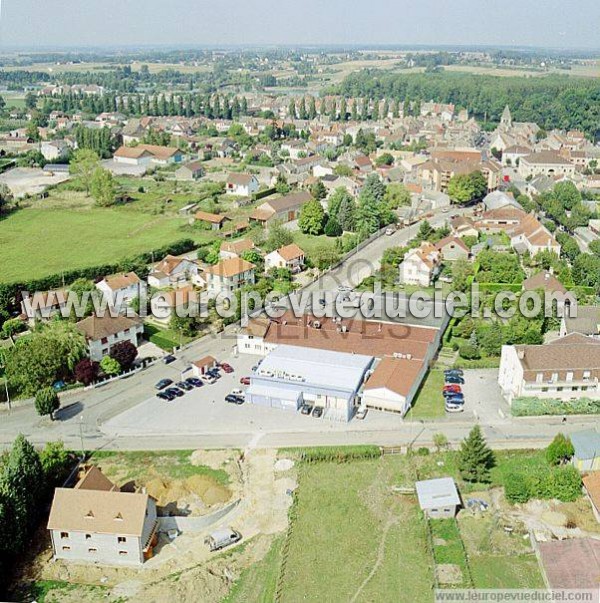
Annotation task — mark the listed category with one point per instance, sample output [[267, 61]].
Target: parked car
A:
[[457, 401], [175, 391], [317, 412], [234, 399], [214, 372], [165, 396], [344, 289], [452, 388], [227, 367], [389, 232], [306, 409], [245, 380], [454, 373], [208, 378], [194, 381], [454, 408], [361, 413], [169, 358], [163, 383], [322, 302], [238, 392], [219, 539], [184, 385], [455, 381]]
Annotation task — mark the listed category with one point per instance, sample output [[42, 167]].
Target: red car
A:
[[245, 380], [227, 367], [453, 388]]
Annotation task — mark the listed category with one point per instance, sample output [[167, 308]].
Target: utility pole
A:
[[81, 437], [7, 392]]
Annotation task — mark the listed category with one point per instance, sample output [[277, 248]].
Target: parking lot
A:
[[483, 398], [204, 410]]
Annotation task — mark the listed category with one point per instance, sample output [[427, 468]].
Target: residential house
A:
[[95, 522], [173, 271], [284, 209], [122, 287], [420, 265], [54, 149], [452, 248], [227, 276], [544, 280], [234, 249], [586, 322], [289, 256], [586, 446], [532, 236], [545, 163], [194, 170], [181, 302], [363, 164], [244, 185], [43, 305], [215, 221], [512, 155], [438, 498], [464, 227], [102, 333], [567, 368], [498, 199], [146, 154]]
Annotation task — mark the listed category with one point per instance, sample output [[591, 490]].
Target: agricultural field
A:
[[47, 236]]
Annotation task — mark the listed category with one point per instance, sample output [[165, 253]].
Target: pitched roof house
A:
[[285, 209], [102, 333], [227, 276], [420, 265], [121, 287], [96, 522], [289, 256], [174, 271], [244, 185], [567, 368]]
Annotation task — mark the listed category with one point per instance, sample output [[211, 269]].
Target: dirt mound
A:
[[284, 465], [177, 495], [208, 490]]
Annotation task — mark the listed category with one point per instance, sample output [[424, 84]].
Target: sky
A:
[[552, 23]]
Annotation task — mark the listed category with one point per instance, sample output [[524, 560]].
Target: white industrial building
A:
[[291, 376]]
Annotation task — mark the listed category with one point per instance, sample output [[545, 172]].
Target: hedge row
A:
[[531, 407], [562, 483], [9, 292], [339, 454]]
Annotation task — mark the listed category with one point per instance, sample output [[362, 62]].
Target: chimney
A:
[[521, 354]]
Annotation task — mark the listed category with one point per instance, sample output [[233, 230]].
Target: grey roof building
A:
[[438, 498], [586, 444]]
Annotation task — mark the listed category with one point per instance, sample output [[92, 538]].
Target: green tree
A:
[[397, 195], [385, 159], [464, 188], [21, 482], [440, 441], [47, 355], [102, 187], [110, 366], [6, 198], [30, 101], [83, 165], [560, 450], [312, 217], [279, 236], [475, 458], [281, 185], [517, 488], [318, 190], [32, 131], [462, 270], [47, 402], [55, 460], [332, 228]]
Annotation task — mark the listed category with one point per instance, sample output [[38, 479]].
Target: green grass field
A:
[[429, 402]]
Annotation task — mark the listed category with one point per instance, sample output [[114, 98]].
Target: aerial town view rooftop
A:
[[299, 302]]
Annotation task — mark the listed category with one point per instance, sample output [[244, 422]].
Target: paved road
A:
[[84, 414]]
